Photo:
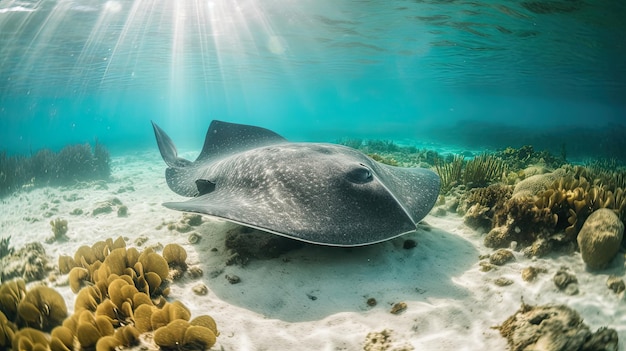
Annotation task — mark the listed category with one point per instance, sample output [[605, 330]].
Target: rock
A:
[[600, 237], [477, 217], [616, 284], [501, 257], [566, 281], [498, 237], [554, 328], [503, 281], [530, 273]]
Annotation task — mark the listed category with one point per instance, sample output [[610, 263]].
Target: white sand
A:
[[314, 298]]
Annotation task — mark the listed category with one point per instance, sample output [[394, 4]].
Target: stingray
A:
[[319, 193]]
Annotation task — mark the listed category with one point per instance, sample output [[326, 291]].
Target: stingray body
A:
[[315, 192]]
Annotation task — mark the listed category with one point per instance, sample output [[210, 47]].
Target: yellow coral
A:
[[42, 308]]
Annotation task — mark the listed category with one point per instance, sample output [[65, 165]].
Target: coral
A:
[[42, 308], [480, 205], [30, 263], [180, 334], [61, 339], [521, 221], [7, 331], [124, 298], [59, 228], [112, 307], [11, 293], [91, 328], [556, 328], [600, 237], [126, 336], [175, 255], [537, 183], [78, 277], [29, 339], [573, 198], [518, 159], [547, 211]]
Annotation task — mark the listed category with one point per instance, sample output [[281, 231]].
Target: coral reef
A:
[[480, 205], [71, 164], [388, 152], [526, 155], [600, 237], [29, 263], [556, 328], [120, 294], [544, 212]]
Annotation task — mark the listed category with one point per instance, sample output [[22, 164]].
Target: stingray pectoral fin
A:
[[415, 189], [223, 139]]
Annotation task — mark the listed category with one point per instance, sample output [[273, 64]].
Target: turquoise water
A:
[[473, 73]]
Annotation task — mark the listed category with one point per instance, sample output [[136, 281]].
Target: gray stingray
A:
[[315, 192]]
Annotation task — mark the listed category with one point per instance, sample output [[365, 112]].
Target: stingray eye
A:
[[360, 174]]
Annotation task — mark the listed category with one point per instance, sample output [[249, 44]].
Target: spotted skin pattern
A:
[[315, 192]]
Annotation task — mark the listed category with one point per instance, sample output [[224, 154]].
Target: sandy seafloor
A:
[[314, 298]]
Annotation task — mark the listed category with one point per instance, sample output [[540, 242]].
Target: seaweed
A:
[[450, 172], [5, 249], [73, 163], [475, 173]]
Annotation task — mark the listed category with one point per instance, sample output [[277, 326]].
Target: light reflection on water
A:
[[80, 47]]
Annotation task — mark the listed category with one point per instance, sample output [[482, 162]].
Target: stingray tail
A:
[[178, 173], [168, 149]]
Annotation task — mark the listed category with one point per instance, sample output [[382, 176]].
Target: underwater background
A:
[[475, 74]]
